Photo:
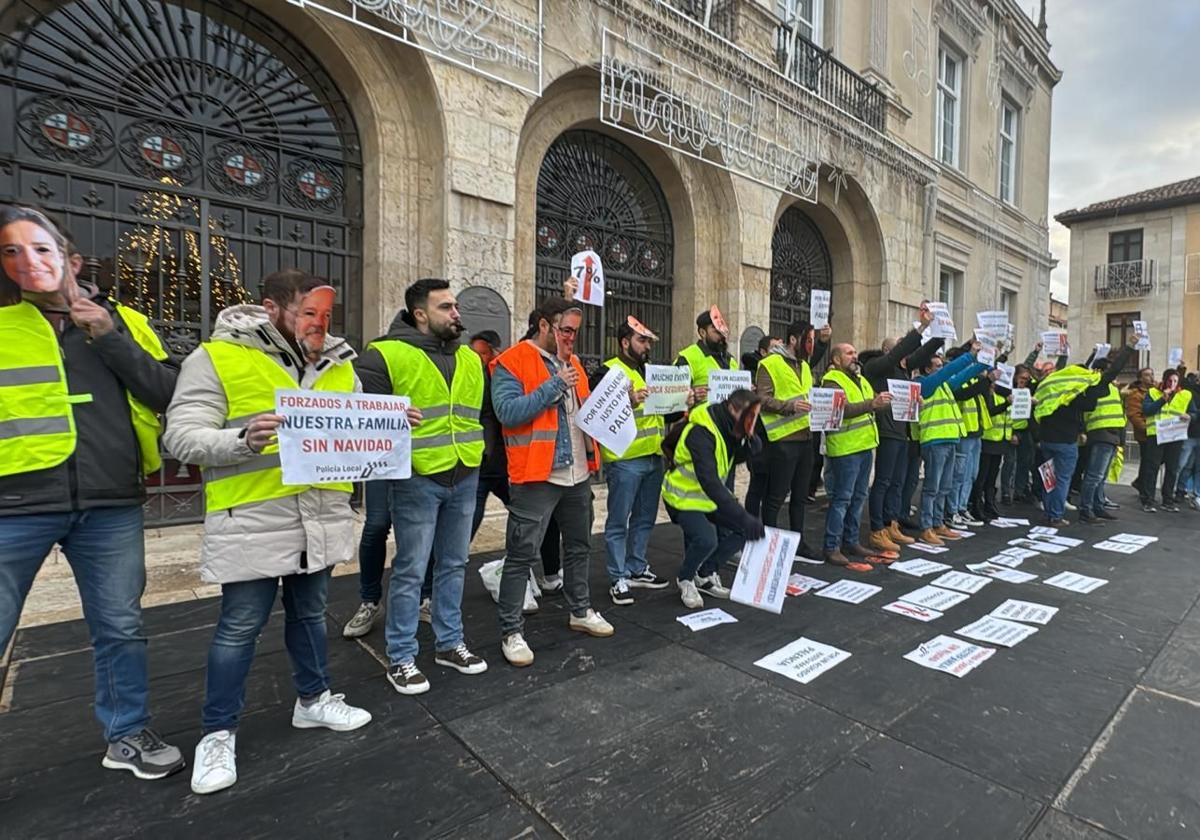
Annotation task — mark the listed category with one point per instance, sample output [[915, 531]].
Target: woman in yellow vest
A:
[[261, 535], [81, 383], [634, 477], [1168, 402], [996, 440]]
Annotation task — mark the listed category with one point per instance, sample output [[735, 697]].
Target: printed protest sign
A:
[[1006, 375], [1075, 582], [950, 655], [1174, 357], [1026, 611], [850, 591], [705, 618], [1054, 343], [608, 414], [1022, 404], [330, 437], [762, 574], [996, 631], [799, 584], [906, 400], [722, 383], [818, 308], [1173, 429], [1142, 331], [667, 389], [935, 598], [918, 568], [828, 408], [588, 272], [1101, 352], [993, 322], [1001, 572], [1049, 480], [912, 611], [803, 660], [943, 324]]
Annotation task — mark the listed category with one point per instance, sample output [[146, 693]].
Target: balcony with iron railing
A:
[[812, 67], [1124, 280], [718, 16]]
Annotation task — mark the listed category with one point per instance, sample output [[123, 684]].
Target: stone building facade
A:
[[730, 152], [1137, 258]]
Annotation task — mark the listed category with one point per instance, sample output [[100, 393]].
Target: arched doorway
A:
[[482, 309], [594, 193], [190, 148], [799, 263]]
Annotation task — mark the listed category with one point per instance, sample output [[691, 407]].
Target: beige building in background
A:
[[1137, 258], [730, 152]]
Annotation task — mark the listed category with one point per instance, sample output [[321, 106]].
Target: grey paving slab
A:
[[1142, 783], [1176, 670], [1055, 825]]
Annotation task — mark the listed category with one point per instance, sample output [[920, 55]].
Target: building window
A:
[[1125, 246], [950, 291], [1009, 127], [1008, 303], [806, 15], [1119, 329], [949, 106]]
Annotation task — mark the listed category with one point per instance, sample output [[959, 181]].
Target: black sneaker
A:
[[1088, 519], [1148, 507], [1111, 505], [407, 678], [646, 579], [1103, 514], [460, 659], [1170, 507], [807, 551], [144, 754], [620, 594], [1058, 523]]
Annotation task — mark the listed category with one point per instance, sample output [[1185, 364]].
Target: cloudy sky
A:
[[1127, 112]]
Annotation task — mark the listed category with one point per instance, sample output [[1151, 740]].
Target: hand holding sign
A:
[[588, 274], [260, 431], [818, 308], [608, 414]]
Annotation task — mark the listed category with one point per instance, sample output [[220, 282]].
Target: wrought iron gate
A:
[[799, 263], [189, 148], [595, 193]]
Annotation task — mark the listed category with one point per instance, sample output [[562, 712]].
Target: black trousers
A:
[[1149, 460], [983, 491], [790, 466]]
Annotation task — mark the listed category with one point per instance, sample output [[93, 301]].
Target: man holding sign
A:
[[538, 387], [432, 510], [709, 353], [260, 533], [1168, 409], [635, 476]]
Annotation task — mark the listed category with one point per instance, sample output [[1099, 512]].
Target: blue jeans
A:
[[431, 518], [372, 546], [891, 466], [966, 470], [849, 476], [108, 558], [704, 545], [939, 460], [1064, 455], [1091, 489], [245, 608], [1189, 467], [633, 488]]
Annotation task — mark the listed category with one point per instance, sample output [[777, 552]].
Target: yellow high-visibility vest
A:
[[450, 430], [249, 378], [858, 434], [1177, 406], [700, 363], [37, 423], [1109, 412], [788, 386], [681, 488], [1062, 387], [940, 417]]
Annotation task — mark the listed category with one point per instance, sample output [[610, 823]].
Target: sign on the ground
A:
[[950, 655], [803, 660], [1026, 611], [762, 574], [705, 618], [997, 631]]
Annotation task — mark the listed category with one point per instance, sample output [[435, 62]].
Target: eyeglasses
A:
[[569, 332]]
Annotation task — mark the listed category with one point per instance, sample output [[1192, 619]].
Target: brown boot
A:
[[836, 558], [946, 534], [899, 536], [857, 550], [882, 540], [930, 537]]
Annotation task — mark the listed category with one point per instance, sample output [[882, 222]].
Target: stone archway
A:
[[482, 309]]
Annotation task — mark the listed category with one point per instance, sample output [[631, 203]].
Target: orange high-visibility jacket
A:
[[530, 447]]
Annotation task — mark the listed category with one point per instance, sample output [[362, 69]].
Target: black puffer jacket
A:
[[106, 468]]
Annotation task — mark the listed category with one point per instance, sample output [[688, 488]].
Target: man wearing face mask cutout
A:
[[82, 382], [261, 535], [702, 455]]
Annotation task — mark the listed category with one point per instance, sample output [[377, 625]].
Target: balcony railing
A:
[[1124, 280], [817, 70], [720, 16]]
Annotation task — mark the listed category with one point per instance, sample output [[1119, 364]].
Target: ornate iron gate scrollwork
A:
[[799, 263], [190, 147], [595, 193]]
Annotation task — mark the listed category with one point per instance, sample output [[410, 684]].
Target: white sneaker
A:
[[362, 621], [551, 583], [516, 651], [531, 605], [958, 521], [425, 612], [329, 711], [712, 586], [690, 595], [970, 521], [593, 624], [215, 766], [620, 594], [1070, 506]]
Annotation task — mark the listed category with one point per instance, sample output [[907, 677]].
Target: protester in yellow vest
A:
[[996, 439], [701, 455], [849, 453], [1170, 400], [710, 352], [81, 382], [1105, 427], [260, 533], [634, 478], [783, 380]]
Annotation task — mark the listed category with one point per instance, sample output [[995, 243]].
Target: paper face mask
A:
[[31, 258], [313, 317], [718, 321]]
